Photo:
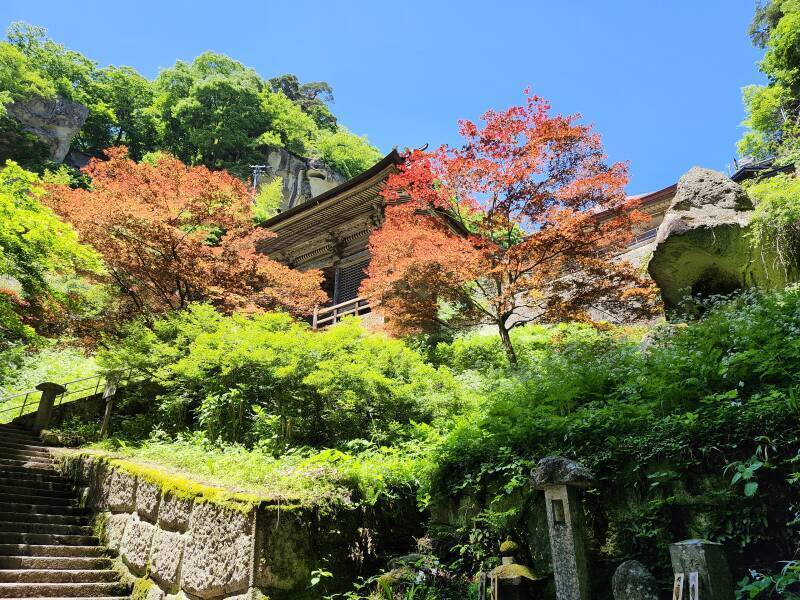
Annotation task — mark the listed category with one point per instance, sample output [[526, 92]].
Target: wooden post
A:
[[50, 392], [109, 392], [314, 318]]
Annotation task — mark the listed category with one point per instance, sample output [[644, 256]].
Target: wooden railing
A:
[[330, 315]]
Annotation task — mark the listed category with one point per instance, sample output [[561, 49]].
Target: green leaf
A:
[[750, 488]]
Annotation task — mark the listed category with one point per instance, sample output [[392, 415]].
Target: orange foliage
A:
[[505, 229], [171, 234]]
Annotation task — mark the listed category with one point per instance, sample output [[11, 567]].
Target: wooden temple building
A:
[[330, 232]]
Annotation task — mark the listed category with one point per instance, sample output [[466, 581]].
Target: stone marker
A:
[[632, 581], [50, 391], [560, 478], [708, 560]]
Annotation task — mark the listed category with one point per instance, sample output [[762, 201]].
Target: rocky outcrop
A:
[[701, 246], [557, 470], [303, 178], [632, 581], [56, 122]]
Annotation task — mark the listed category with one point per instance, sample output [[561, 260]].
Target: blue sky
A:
[[660, 80]]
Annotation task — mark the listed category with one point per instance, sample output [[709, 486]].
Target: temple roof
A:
[[329, 212]]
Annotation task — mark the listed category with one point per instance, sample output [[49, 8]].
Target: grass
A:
[[325, 479]]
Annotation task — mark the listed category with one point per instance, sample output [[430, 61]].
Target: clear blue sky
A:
[[659, 79]]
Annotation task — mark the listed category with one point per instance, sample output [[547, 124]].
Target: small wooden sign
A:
[[694, 586], [677, 589]]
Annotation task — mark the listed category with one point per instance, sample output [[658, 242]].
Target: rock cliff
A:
[[303, 178], [56, 122]]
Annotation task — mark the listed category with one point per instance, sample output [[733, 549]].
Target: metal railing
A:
[[73, 390], [330, 315]]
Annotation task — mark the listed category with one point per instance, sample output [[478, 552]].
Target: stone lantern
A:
[[513, 581]]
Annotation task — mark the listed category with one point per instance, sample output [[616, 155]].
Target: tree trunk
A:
[[507, 345]]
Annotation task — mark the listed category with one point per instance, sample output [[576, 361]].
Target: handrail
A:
[[97, 384], [356, 306]]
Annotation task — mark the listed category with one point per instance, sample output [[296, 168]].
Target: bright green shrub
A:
[[269, 379], [665, 426], [776, 223]]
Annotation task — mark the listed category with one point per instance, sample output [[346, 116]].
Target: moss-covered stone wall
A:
[[175, 536]]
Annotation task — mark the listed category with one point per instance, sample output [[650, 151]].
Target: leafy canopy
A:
[[504, 230], [37, 250], [171, 234], [266, 379], [773, 110], [213, 111]]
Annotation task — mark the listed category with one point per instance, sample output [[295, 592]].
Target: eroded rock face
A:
[[632, 581], [217, 557], [135, 548], [701, 246], [303, 178], [557, 470], [56, 122]]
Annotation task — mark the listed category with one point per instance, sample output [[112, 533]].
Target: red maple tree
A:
[[504, 230], [171, 234]]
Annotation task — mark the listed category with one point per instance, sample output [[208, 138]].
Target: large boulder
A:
[[632, 581], [56, 122], [701, 246]]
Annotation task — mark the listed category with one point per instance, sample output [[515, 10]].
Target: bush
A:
[[693, 433], [267, 379]]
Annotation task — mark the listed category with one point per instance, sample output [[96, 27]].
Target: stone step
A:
[[25, 488], [25, 454], [29, 478], [45, 518], [23, 446], [48, 539], [35, 463], [50, 509], [30, 498], [58, 576], [62, 590], [22, 527], [16, 433], [53, 551], [55, 562], [84, 598], [8, 466]]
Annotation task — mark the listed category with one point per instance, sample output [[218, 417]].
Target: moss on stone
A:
[[509, 548], [513, 571], [178, 485], [99, 525], [141, 588]]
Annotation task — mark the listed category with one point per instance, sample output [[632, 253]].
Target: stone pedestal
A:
[[708, 560], [561, 479], [50, 392]]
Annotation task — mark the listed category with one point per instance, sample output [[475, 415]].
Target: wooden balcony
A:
[[330, 315]]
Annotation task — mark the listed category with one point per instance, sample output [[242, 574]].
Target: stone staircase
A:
[[47, 546]]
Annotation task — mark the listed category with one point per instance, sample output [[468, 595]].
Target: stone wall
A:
[[89, 409], [177, 537]]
